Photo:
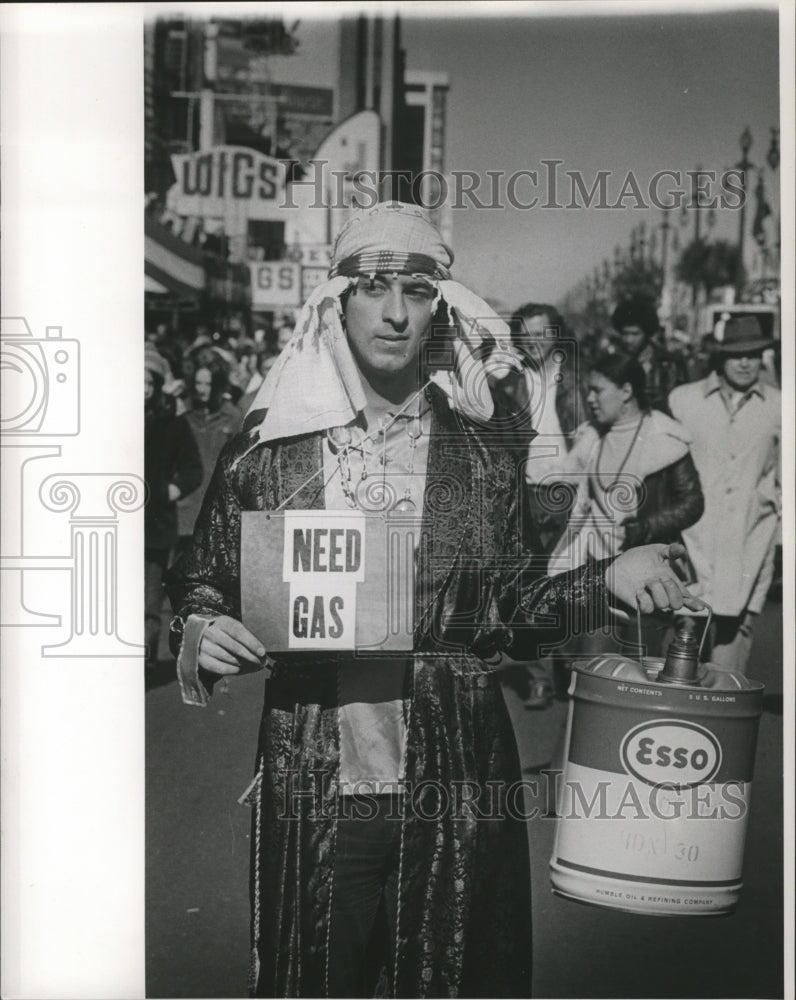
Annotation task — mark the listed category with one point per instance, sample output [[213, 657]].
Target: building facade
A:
[[239, 113]]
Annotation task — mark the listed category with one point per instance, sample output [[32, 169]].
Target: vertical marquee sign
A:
[[328, 580]]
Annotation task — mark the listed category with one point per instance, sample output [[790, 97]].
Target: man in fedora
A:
[[735, 420]]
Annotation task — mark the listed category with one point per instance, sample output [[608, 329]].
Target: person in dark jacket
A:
[[632, 467], [172, 469], [636, 321]]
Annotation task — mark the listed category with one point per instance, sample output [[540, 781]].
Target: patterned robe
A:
[[464, 907]]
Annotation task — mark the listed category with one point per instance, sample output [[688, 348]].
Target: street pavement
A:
[[200, 760]]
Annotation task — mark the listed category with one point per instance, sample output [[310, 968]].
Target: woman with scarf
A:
[[636, 481], [388, 843]]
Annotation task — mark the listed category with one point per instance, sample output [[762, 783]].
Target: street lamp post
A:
[[697, 206], [772, 157], [665, 227], [743, 165], [772, 256], [697, 210], [666, 304]]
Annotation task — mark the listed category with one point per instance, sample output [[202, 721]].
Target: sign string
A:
[[357, 447]]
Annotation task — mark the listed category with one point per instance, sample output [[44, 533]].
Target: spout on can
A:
[[682, 658]]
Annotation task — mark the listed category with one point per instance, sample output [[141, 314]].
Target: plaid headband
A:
[[388, 262]]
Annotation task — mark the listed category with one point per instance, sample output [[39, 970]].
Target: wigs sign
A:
[[227, 181], [327, 580]]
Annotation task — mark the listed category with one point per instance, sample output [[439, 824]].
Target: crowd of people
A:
[[670, 498], [196, 395], [614, 419]]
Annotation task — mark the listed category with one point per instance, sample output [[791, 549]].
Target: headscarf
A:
[[315, 383]]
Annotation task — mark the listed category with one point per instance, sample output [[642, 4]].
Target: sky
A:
[[661, 88], [639, 93]]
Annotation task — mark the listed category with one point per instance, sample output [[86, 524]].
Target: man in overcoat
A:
[[735, 419]]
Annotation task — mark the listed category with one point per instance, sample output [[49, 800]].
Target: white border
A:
[[72, 129]]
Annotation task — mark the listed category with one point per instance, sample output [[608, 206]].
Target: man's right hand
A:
[[228, 647]]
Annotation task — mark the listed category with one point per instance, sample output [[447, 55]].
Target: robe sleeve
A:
[[541, 610], [544, 611], [204, 583]]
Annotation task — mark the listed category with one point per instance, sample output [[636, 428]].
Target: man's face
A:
[[534, 343], [149, 385], [386, 320], [741, 371], [633, 339]]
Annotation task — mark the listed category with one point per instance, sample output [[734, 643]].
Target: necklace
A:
[[379, 494], [597, 474], [414, 430]]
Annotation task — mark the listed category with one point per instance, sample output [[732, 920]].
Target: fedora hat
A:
[[740, 333]]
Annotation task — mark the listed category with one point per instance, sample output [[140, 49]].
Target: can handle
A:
[[694, 613]]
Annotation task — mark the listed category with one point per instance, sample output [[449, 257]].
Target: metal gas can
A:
[[654, 798]]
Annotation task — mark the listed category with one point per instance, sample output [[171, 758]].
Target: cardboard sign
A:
[[328, 580]]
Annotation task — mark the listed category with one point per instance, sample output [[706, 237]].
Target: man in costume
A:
[[388, 849]]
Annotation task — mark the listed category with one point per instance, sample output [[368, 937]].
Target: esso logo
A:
[[671, 752]]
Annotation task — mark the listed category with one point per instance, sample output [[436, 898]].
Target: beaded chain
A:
[[341, 439]]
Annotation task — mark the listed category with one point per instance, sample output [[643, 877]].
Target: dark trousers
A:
[[364, 895]]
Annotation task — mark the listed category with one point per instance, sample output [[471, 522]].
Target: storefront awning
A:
[[171, 263], [152, 287]]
